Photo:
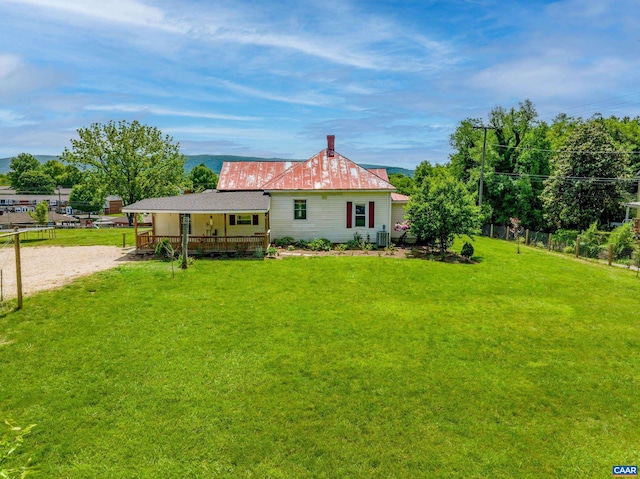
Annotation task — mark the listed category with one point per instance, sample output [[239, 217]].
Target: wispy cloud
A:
[[155, 110], [128, 12]]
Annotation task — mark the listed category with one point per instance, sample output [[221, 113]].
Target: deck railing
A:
[[205, 244]]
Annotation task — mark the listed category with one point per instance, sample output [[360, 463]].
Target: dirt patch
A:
[[49, 267]]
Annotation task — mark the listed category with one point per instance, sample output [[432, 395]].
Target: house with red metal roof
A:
[[327, 196]]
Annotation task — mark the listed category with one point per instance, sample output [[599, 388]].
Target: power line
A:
[[594, 152]]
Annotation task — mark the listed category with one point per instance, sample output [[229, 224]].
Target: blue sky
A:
[[390, 79]]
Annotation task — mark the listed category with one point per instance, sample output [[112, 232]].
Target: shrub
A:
[[319, 244], [285, 241], [366, 247], [467, 250], [272, 251], [302, 244], [340, 248], [259, 252], [590, 241], [291, 247], [622, 239], [164, 249], [565, 237]]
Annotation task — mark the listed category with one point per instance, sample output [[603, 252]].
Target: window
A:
[[243, 219], [300, 209], [361, 215]]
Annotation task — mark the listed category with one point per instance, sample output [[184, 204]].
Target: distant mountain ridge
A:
[[214, 162]]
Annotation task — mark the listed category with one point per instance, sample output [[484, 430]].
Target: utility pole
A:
[[484, 150]]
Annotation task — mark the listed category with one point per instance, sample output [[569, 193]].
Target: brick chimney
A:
[[331, 141]]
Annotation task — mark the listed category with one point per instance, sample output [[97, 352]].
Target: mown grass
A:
[[81, 237], [518, 366]]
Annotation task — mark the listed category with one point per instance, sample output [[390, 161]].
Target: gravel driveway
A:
[[49, 267]]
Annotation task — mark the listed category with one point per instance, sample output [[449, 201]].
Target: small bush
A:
[[259, 252], [302, 244], [291, 247], [340, 248], [590, 241], [565, 237], [319, 244], [272, 251], [285, 241], [366, 246], [164, 250], [622, 239], [467, 250], [569, 249]]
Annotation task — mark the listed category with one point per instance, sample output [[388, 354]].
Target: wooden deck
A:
[[146, 243]]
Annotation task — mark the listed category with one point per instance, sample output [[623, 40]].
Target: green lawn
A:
[[521, 366], [81, 237]]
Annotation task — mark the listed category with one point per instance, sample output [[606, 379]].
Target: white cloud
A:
[[128, 108], [131, 12]]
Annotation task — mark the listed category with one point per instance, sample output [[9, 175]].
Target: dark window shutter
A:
[[232, 220], [349, 214], [256, 221], [372, 212]]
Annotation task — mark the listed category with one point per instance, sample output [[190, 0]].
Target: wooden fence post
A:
[[16, 242], [578, 247], [124, 240], [491, 231], [526, 237], [610, 253], [550, 242]]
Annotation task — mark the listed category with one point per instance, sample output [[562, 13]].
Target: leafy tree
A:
[[131, 160], [575, 195], [41, 213], [53, 168], [88, 197], [4, 180], [403, 183], [35, 182], [21, 164], [441, 209], [202, 177], [63, 175]]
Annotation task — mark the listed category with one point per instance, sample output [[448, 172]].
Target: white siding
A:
[[327, 215], [397, 216]]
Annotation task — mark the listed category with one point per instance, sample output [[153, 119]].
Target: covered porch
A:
[[218, 223]]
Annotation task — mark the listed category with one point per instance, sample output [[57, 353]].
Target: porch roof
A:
[[213, 202]]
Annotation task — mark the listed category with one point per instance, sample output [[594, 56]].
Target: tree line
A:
[[566, 173], [129, 160]]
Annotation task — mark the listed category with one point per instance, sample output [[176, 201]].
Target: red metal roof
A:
[[249, 175], [399, 197], [381, 172], [324, 172], [327, 170]]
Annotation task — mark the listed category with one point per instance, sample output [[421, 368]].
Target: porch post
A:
[[135, 229], [267, 239], [225, 232]]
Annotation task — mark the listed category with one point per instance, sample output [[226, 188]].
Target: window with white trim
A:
[[299, 209], [361, 215]]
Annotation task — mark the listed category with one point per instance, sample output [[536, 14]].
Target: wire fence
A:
[[567, 242]]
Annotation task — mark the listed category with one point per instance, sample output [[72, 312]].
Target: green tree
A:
[[403, 183], [87, 197], [20, 164], [131, 160], [441, 209], [201, 178], [35, 182], [41, 213], [580, 189]]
